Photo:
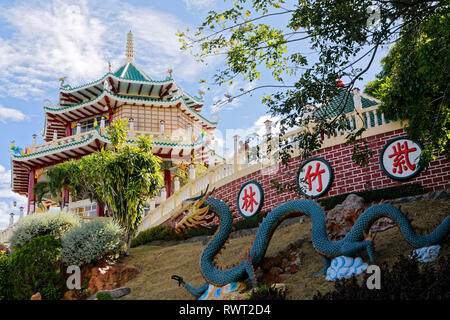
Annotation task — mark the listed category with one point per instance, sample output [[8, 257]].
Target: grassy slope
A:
[[157, 264]]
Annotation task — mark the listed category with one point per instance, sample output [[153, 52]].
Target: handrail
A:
[[170, 207]]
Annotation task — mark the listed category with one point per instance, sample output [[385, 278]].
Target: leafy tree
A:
[[121, 177], [130, 175], [58, 179], [344, 35], [414, 83]]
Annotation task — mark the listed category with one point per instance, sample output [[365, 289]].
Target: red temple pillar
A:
[[110, 116], [65, 197], [167, 182], [100, 211], [31, 197], [68, 129]]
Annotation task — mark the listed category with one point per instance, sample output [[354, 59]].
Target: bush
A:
[[92, 241], [407, 280], [369, 196], [104, 296], [34, 268], [155, 233], [266, 292], [4, 251], [4, 277], [40, 224]]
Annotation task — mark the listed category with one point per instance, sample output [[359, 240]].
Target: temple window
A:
[[88, 125]]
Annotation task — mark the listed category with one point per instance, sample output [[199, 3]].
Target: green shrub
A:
[[92, 241], [406, 280], [34, 268], [40, 224], [155, 233], [4, 277], [104, 296], [265, 292], [375, 195]]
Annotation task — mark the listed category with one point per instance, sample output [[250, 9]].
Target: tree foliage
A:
[[122, 177], [414, 83], [306, 46]]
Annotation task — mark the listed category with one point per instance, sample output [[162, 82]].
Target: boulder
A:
[[341, 218], [110, 277], [286, 262], [36, 296], [115, 294]]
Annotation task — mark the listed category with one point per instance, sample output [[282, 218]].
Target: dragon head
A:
[[198, 213]]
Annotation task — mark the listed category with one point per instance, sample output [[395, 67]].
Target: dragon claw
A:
[[178, 278]]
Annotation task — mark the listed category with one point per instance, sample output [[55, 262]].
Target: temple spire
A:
[[130, 48]]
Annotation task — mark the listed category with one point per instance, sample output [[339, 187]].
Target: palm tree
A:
[[58, 179]]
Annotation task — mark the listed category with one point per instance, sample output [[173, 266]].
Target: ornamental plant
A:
[[39, 224], [91, 242], [4, 251], [33, 268], [130, 175], [121, 177]]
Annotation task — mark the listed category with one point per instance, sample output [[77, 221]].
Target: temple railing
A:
[[162, 137], [60, 142]]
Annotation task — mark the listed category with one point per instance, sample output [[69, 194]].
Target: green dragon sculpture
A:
[[354, 242]]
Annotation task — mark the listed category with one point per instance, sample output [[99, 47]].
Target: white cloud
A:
[[52, 39], [5, 176], [200, 4], [221, 95], [6, 207], [11, 114]]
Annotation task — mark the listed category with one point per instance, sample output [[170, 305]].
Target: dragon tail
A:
[[368, 217]]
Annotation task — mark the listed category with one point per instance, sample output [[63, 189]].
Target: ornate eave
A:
[[162, 90], [58, 117], [75, 147]]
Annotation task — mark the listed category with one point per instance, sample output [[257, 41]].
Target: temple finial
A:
[[130, 47]]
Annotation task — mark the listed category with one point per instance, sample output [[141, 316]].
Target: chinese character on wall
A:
[[250, 199], [400, 157], [314, 177]]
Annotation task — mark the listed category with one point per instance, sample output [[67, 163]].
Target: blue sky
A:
[[42, 41]]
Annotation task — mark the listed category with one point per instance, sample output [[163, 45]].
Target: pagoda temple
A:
[[75, 127]]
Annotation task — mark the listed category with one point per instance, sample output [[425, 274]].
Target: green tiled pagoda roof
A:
[[342, 101], [129, 98], [131, 73]]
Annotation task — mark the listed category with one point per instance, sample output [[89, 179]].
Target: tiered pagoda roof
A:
[[128, 85]]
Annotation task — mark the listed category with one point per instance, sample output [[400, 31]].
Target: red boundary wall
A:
[[348, 176]]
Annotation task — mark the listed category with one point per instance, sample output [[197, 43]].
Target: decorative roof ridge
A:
[[86, 85], [112, 75], [18, 157], [105, 91], [141, 71], [196, 99], [127, 65], [369, 97]]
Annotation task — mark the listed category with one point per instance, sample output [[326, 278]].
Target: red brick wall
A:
[[348, 176]]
